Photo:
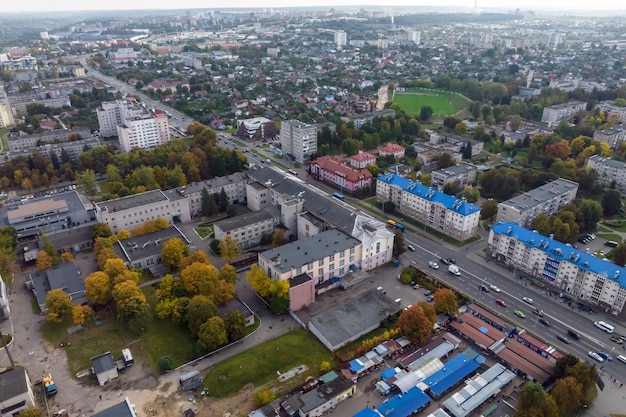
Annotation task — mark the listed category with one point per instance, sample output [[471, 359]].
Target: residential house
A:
[[104, 368], [394, 149], [362, 159], [64, 276], [16, 393], [121, 409]]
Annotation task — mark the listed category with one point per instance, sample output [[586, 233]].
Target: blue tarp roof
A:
[[387, 373], [366, 412], [451, 203], [448, 367], [450, 380], [356, 366], [562, 251], [403, 405]]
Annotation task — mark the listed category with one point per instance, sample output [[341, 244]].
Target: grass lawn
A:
[[610, 236], [442, 103], [619, 225], [260, 364], [203, 233]]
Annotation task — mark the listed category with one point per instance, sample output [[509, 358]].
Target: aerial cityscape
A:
[[350, 209]]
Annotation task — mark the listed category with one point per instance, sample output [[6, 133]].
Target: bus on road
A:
[[604, 326], [339, 196], [395, 225]]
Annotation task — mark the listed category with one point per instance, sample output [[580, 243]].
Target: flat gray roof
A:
[[354, 316], [132, 201], [218, 182], [304, 251], [608, 161], [147, 245], [251, 218], [455, 170], [541, 194]]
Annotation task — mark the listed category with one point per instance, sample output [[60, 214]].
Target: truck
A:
[[454, 270], [127, 357], [48, 383]]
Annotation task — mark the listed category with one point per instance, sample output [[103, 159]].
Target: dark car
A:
[[605, 356], [445, 261], [428, 292], [574, 334], [483, 288], [545, 322], [563, 339]]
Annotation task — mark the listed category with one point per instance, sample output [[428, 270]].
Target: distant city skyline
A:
[[90, 5]]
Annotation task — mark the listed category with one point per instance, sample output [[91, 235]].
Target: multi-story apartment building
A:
[[20, 102], [613, 136], [20, 141], [341, 38], [554, 114], [362, 159], [444, 213], [579, 275], [547, 199], [333, 170], [415, 36], [234, 186], [134, 210], [299, 140], [463, 173], [363, 118], [248, 229], [609, 170], [614, 112], [327, 255], [114, 113], [6, 114], [71, 150], [146, 131]]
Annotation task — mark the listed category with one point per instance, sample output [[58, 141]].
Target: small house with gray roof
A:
[[16, 393], [104, 368], [122, 409], [248, 229], [65, 276]]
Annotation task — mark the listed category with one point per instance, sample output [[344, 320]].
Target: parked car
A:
[[538, 312], [595, 356], [494, 288], [617, 340], [428, 292], [433, 265], [528, 300], [562, 338], [411, 248], [520, 313], [417, 287], [430, 298], [501, 302], [605, 356], [545, 322]]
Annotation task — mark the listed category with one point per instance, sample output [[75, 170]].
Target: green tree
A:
[[460, 129], [132, 306], [235, 323], [59, 305], [87, 182], [534, 402], [611, 202], [212, 334], [591, 212], [619, 255], [425, 113], [563, 365], [206, 201], [398, 244], [414, 324], [30, 412], [229, 249], [259, 280], [489, 209], [173, 252], [542, 224], [100, 230], [228, 274], [198, 311], [264, 396]]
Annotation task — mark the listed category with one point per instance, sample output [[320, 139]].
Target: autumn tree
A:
[[222, 292], [228, 274], [489, 209], [235, 323], [87, 182], [229, 249], [534, 402], [114, 268], [98, 287], [414, 324], [59, 305], [44, 261], [30, 412], [264, 396], [279, 238], [429, 311], [279, 297], [259, 280], [199, 309], [199, 278], [197, 256], [100, 230], [212, 334], [82, 314], [173, 252], [446, 302], [132, 307], [67, 257], [567, 394]]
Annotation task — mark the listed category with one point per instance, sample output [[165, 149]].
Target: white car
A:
[[528, 300], [494, 288], [595, 356], [433, 265], [411, 248]]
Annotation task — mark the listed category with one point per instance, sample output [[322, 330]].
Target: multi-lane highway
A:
[[512, 291]]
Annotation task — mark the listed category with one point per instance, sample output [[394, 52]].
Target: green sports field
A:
[[442, 103]]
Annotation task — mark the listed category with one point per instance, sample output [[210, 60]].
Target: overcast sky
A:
[[76, 5]]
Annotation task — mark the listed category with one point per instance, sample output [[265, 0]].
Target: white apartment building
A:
[[234, 186], [145, 131], [298, 139], [341, 38], [463, 173], [415, 36], [554, 114], [248, 229], [615, 112], [134, 210], [609, 170], [580, 276], [113, 114], [324, 256], [613, 136], [547, 199], [444, 213], [6, 114]]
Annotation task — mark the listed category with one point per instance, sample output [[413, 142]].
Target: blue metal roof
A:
[[563, 252], [388, 373], [448, 379], [367, 412], [355, 365], [405, 404], [430, 194]]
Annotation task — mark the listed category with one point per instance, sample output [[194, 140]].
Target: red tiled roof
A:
[[337, 165], [362, 156], [392, 147]]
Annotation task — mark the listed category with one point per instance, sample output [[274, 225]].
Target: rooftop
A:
[[607, 161], [247, 219], [151, 244], [37, 207], [541, 194], [132, 201], [102, 363], [13, 382], [454, 170], [218, 182], [123, 409], [65, 276]]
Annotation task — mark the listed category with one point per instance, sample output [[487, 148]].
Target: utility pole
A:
[[6, 348]]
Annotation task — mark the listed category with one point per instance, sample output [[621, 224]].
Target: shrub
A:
[[166, 363]]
